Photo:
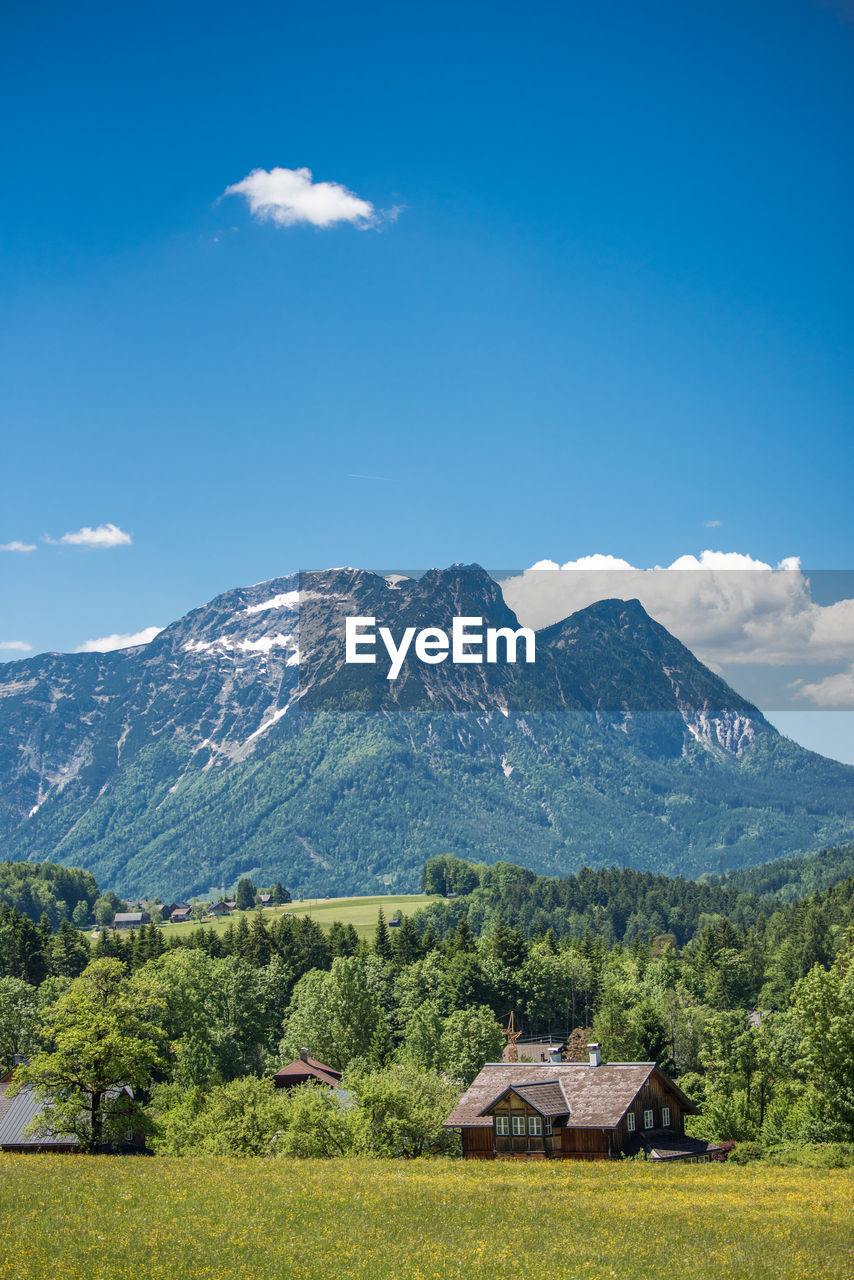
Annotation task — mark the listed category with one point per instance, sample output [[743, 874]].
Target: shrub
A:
[[745, 1152]]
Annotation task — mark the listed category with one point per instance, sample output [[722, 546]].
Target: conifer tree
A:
[[257, 948], [245, 897], [382, 941]]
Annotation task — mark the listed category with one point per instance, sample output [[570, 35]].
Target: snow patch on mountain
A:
[[286, 600], [263, 644], [266, 643]]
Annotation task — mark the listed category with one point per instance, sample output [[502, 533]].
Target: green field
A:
[[360, 912], [103, 1218]]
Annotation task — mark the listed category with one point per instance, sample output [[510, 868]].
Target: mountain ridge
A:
[[237, 739]]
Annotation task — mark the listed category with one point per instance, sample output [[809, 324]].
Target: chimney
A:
[[303, 1053], [595, 1055]]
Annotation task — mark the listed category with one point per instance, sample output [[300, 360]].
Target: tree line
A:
[[755, 1021]]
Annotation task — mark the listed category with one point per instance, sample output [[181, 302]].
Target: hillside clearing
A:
[[362, 913]]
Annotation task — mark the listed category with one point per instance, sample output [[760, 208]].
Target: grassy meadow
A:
[[101, 1218]]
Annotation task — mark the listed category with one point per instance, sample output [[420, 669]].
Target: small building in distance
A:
[[219, 909], [180, 914], [303, 1069], [265, 899], [576, 1111], [131, 919]]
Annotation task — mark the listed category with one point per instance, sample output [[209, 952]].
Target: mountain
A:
[[238, 741]]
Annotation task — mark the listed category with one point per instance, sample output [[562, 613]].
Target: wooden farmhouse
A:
[[576, 1111]]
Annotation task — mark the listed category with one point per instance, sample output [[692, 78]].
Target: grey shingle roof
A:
[[547, 1098], [22, 1109], [598, 1097]]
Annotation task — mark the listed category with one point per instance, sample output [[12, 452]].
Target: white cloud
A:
[[726, 606], [713, 524], [19, 646], [587, 563], [106, 644], [17, 546], [833, 691], [288, 197], [105, 535]]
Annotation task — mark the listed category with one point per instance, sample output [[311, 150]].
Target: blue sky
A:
[[612, 312]]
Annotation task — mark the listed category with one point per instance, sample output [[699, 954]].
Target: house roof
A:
[[129, 917], [308, 1069], [663, 1145], [595, 1097], [18, 1112], [23, 1108], [545, 1096], [5, 1102]]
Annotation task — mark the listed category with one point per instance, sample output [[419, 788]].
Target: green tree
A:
[[104, 1034], [406, 944], [18, 1020], [470, 1038], [69, 952], [400, 1112], [382, 1046], [82, 915], [106, 907], [245, 896], [244, 1117], [382, 941], [423, 1042], [333, 1014], [317, 1123], [258, 947], [824, 1008]]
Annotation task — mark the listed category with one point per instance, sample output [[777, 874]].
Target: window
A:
[[518, 1126], [630, 1122], [648, 1119], [502, 1126], [129, 1135], [548, 1128], [535, 1126], [665, 1117]]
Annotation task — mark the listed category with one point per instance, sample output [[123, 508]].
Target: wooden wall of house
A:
[[477, 1143], [652, 1097], [583, 1144]]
